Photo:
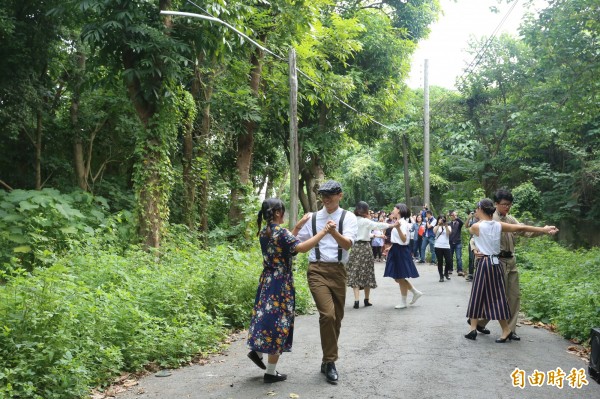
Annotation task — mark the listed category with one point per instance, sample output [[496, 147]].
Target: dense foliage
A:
[[560, 286], [120, 126], [94, 313]]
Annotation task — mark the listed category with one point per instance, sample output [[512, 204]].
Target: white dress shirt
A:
[[328, 246]]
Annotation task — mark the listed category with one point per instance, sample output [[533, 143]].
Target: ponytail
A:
[[267, 212]]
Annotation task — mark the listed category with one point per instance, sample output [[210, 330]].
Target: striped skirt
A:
[[488, 293]]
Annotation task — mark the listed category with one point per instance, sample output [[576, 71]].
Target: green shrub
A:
[[560, 286], [96, 311], [36, 226]]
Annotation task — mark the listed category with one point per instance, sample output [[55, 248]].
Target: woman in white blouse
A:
[[361, 264]]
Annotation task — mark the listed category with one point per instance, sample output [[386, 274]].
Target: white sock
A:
[[260, 355], [404, 298], [415, 291], [271, 368]]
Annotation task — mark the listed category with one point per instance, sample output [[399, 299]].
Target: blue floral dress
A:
[[272, 324]]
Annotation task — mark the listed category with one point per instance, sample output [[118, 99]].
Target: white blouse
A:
[[365, 226], [405, 227]]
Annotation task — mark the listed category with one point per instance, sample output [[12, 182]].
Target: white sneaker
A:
[[415, 297], [401, 306]]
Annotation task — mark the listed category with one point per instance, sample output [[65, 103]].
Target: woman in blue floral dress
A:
[[272, 325]]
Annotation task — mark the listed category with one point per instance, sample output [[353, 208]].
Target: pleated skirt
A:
[[488, 292], [399, 263]]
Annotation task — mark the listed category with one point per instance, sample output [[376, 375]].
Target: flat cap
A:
[[330, 187]]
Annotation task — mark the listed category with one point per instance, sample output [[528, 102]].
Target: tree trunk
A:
[[81, 173], [202, 91], [38, 151], [150, 185], [245, 143], [189, 178], [406, 171], [79, 161]]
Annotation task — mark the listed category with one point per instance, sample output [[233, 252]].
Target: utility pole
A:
[[293, 139], [426, 136]]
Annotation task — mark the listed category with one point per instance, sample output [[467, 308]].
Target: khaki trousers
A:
[[513, 291], [327, 283]]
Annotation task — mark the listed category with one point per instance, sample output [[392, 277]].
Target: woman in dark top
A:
[[272, 325]]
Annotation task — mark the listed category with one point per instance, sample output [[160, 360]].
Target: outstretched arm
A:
[[513, 228]]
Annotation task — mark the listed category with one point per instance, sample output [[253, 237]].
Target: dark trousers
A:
[[377, 252], [418, 247], [471, 261], [443, 255]]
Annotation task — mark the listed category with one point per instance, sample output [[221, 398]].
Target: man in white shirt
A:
[[327, 272]]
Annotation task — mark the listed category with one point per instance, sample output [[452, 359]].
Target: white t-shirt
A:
[[405, 227], [442, 238]]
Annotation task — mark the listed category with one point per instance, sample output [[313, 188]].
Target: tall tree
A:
[[132, 36]]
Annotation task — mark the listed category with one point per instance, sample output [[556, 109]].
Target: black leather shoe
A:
[[472, 335], [482, 330], [355, 304], [441, 279], [252, 355], [330, 372], [514, 337], [367, 303], [270, 378], [447, 277], [503, 340]]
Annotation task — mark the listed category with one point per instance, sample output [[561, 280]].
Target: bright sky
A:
[[447, 43]]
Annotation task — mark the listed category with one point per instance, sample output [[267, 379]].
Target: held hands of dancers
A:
[[330, 226], [550, 230]]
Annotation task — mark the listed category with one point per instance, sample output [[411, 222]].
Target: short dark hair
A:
[[503, 194], [404, 210], [361, 209]]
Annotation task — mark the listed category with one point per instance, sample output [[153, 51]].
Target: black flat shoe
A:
[[252, 355], [482, 330], [472, 335], [367, 303], [270, 378], [503, 340], [355, 305], [447, 277], [514, 337], [331, 374], [441, 279]]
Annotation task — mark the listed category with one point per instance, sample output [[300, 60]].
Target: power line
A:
[[479, 56], [317, 84]]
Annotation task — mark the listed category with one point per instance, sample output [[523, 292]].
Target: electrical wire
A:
[[478, 57], [209, 17]]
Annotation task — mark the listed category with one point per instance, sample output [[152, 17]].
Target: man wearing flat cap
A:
[[327, 271]]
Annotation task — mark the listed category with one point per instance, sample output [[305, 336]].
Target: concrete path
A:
[[419, 352]]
